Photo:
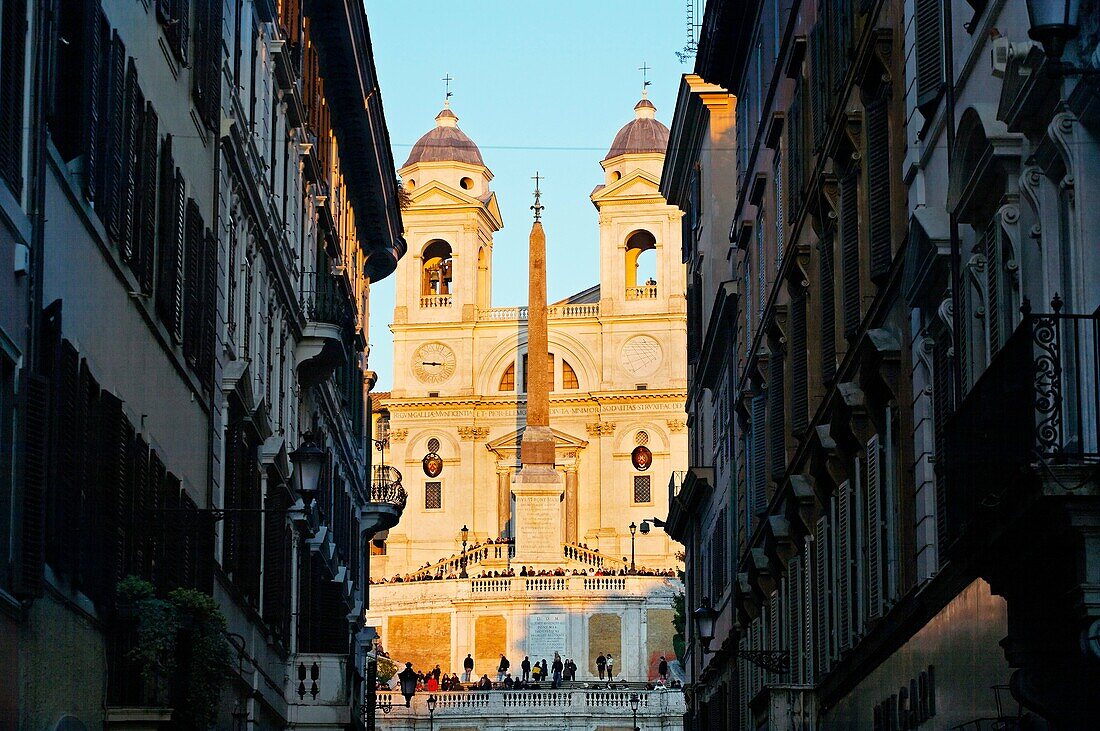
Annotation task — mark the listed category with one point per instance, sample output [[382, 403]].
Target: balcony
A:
[[686, 492], [321, 350], [645, 292], [435, 301], [1028, 426], [386, 501]]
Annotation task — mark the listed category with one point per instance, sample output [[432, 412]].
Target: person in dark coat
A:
[[662, 669], [502, 668], [545, 671], [468, 667], [601, 665], [557, 669], [525, 666], [408, 683]]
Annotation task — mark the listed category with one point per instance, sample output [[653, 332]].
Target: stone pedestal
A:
[[538, 490]]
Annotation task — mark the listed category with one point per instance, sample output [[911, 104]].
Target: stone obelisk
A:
[[537, 486]]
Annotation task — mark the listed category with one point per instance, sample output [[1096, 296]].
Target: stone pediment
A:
[[436, 194], [507, 446], [637, 184]]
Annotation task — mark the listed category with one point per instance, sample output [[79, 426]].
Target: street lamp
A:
[[1053, 23], [462, 561], [704, 624], [431, 712], [633, 530], [308, 459], [634, 701]]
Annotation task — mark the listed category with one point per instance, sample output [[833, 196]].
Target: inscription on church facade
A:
[[546, 634]]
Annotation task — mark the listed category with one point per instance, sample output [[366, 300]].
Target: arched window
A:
[[508, 379], [569, 380], [641, 267], [436, 275]]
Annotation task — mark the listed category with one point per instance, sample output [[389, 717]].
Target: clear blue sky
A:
[[538, 84]]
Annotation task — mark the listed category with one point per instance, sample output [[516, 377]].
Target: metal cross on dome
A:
[[645, 69], [447, 79]]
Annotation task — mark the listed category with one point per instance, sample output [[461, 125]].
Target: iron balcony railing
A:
[[1034, 408], [386, 487], [322, 299]]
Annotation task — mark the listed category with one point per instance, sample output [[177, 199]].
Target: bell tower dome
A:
[[450, 220], [640, 267]]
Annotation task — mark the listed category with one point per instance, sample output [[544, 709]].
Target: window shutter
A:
[[799, 366], [115, 435], [761, 268], [206, 76], [111, 212], [276, 579], [821, 600], [849, 251], [179, 241], [844, 564], [192, 285], [929, 52], [874, 528], [158, 522], [819, 79], [828, 308], [131, 130], [64, 525], [177, 26], [941, 410], [792, 598], [777, 447], [95, 72], [878, 186], [205, 538], [209, 333], [187, 540], [140, 537], [13, 31], [232, 499], [145, 225], [780, 211], [795, 153], [995, 297], [166, 260], [808, 610], [775, 619], [175, 556], [759, 458], [251, 547], [36, 456]]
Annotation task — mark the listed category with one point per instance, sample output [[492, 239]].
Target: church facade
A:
[[455, 418]]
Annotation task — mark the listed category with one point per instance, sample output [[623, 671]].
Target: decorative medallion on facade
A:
[[472, 433], [641, 458], [399, 435], [433, 464]]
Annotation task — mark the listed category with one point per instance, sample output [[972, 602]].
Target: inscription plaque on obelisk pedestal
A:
[[538, 486]]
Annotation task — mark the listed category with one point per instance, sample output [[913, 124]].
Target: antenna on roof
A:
[[447, 79], [694, 19]]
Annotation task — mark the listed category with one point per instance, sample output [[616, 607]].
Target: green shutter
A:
[[875, 580], [799, 364], [929, 51], [878, 186], [827, 279], [849, 251], [36, 456]]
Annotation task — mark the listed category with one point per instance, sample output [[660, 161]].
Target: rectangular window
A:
[[642, 491], [433, 495]]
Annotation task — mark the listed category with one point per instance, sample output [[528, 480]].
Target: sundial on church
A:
[[641, 355]]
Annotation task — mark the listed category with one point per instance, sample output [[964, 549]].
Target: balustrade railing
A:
[[580, 585], [432, 301], [568, 311], [645, 292], [473, 703], [322, 300]]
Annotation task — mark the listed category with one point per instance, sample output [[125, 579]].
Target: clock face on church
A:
[[433, 363], [641, 355]]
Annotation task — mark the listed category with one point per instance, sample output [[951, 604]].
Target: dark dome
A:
[[642, 134], [445, 143]]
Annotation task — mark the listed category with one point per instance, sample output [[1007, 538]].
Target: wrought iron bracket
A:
[[774, 661]]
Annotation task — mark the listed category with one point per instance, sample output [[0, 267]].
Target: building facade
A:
[[893, 464], [459, 409], [203, 198], [699, 175]]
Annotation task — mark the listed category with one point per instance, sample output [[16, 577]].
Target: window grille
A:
[[642, 489], [433, 495]]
